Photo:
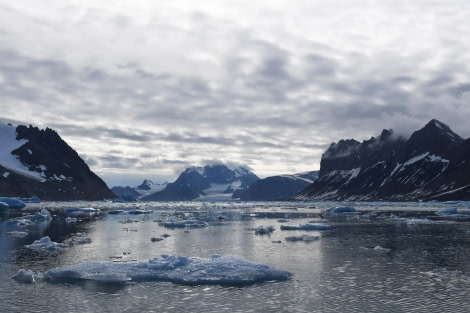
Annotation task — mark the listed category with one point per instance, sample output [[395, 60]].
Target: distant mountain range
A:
[[211, 182], [433, 164], [280, 187], [38, 163], [219, 183]]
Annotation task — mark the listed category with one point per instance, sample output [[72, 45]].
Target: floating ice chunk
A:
[[13, 203], [117, 211], [175, 223], [70, 220], [77, 240], [24, 276], [222, 270], [27, 276], [139, 211], [340, 210], [16, 233], [82, 212], [447, 211], [453, 214], [308, 226], [45, 243], [381, 249], [302, 238], [261, 230], [44, 215]]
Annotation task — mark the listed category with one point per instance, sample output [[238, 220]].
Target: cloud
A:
[[146, 89]]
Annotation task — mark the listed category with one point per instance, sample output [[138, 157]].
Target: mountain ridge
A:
[[39, 163], [430, 165]]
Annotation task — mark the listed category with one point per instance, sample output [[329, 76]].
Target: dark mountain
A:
[[126, 193], [278, 187], [39, 163], [211, 182], [434, 163]]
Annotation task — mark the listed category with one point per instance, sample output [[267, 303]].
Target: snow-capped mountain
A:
[[39, 163], [278, 187], [434, 163], [147, 188], [211, 182]]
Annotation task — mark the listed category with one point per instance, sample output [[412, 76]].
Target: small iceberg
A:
[[219, 270], [82, 212], [45, 244], [27, 276], [175, 223], [336, 210], [307, 238], [308, 226], [11, 203], [452, 214]]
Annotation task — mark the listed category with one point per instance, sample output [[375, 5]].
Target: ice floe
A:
[[221, 270], [302, 238], [82, 212], [173, 222], [307, 226], [12, 203], [340, 210], [46, 244]]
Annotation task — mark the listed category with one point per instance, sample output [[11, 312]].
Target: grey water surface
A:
[[389, 257]]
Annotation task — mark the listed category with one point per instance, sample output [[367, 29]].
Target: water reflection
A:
[[387, 258]]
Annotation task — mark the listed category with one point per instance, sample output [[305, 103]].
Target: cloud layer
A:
[[143, 90]]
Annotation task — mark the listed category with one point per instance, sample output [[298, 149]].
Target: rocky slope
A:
[[39, 163]]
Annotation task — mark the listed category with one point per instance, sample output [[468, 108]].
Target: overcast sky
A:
[[144, 89]]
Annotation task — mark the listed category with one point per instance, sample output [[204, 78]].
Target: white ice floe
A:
[[70, 220], [25, 276], [16, 233], [82, 212], [308, 226], [302, 238], [340, 210], [173, 222], [46, 244], [222, 270]]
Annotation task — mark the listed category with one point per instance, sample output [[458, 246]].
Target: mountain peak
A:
[[433, 137]]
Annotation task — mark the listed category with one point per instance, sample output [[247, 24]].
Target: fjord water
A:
[[390, 257]]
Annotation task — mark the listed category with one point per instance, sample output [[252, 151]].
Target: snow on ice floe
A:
[[221, 270]]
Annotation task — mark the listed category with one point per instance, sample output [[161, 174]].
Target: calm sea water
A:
[[388, 258]]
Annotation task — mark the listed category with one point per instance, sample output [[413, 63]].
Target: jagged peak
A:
[[342, 148]]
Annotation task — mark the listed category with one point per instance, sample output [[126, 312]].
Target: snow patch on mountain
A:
[[10, 161]]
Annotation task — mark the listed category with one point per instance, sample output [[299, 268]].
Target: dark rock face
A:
[[63, 175], [194, 183], [434, 163], [279, 187]]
